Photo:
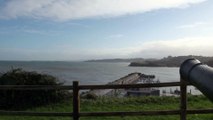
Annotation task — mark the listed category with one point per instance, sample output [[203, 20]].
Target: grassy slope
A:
[[125, 104]]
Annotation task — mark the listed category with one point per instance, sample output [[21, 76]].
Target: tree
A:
[[22, 99]]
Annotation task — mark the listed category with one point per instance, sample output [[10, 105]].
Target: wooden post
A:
[[183, 100], [76, 101]]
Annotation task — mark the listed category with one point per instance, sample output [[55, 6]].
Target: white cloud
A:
[[193, 25], [63, 10], [185, 46], [151, 49]]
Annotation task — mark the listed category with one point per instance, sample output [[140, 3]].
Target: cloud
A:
[[63, 10], [184, 46], [193, 25], [150, 49]]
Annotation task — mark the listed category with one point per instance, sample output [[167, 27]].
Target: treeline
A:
[[171, 61]]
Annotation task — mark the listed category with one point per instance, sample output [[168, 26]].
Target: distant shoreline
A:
[[164, 62], [171, 61]]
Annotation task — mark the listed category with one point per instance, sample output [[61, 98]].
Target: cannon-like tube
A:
[[199, 75]]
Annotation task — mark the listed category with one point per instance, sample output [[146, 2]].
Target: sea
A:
[[94, 72]]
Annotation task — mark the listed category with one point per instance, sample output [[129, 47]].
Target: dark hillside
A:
[[171, 61]]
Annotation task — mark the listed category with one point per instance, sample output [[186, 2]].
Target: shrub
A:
[[22, 99], [91, 96]]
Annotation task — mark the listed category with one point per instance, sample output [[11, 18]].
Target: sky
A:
[[75, 30]]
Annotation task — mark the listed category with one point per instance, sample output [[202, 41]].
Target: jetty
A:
[[133, 78]]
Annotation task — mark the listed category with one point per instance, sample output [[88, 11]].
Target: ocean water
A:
[[92, 72]]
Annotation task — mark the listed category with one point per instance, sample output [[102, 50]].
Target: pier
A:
[[133, 78]]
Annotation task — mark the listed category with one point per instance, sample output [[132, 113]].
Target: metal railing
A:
[[76, 114]]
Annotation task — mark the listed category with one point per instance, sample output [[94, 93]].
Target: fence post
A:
[[76, 101], [183, 100]]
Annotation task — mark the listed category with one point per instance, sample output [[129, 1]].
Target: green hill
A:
[[124, 104], [171, 61]]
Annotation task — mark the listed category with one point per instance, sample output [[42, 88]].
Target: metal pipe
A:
[[199, 75]]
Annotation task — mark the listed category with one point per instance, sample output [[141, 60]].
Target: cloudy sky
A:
[[98, 29]]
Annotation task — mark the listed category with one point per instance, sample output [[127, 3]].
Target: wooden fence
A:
[[76, 114]]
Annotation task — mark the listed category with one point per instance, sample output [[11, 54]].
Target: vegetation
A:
[[124, 104], [58, 101], [16, 99], [171, 61], [210, 63]]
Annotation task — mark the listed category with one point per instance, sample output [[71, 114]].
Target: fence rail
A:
[[90, 114], [86, 87], [76, 114]]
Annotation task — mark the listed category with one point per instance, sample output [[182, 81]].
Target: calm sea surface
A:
[[91, 72]]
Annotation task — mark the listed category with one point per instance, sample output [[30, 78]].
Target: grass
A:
[[124, 104]]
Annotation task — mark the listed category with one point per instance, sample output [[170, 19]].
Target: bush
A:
[[88, 95], [22, 99]]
